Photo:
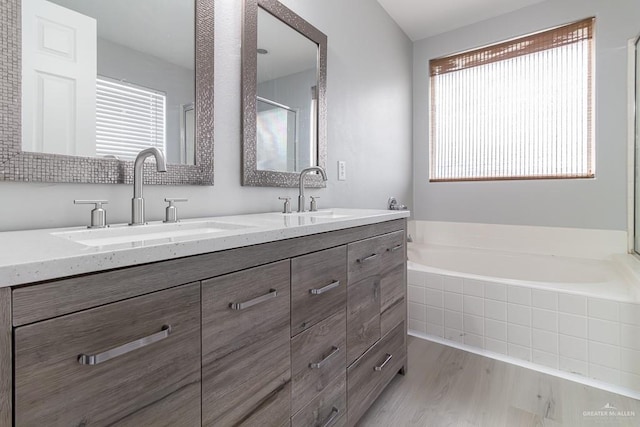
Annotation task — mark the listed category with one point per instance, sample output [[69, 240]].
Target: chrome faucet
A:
[[302, 175], [137, 203]]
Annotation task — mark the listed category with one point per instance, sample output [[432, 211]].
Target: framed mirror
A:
[[87, 84], [284, 71]]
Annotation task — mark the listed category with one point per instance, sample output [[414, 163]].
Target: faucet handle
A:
[[98, 214], [287, 204], [171, 212], [314, 204]]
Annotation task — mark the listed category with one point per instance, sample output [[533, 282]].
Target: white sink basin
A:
[[144, 235]]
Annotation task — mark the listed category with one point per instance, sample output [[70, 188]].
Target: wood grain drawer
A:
[[157, 383], [246, 367], [328, 409], [363, 259], [369, 375], [318, 356], [363, 316], [375, 255], [318, 287]]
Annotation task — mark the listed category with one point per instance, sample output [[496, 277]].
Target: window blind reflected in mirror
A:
[[129, 118]]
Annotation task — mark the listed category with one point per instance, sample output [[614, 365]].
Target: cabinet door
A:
[[368, 376], [132, 362], [363, 316], [393, 285], [318, 287], [246, 368]]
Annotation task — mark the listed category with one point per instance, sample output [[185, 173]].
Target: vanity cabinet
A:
[[305, 331]]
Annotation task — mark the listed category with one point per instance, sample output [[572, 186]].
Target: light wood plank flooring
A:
[[445, 386]]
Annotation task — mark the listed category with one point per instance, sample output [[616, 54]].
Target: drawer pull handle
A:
[[318, 291], [320, 364], [242, 305], [95, 359], [381, 367], [369, 258], [331, 419], [395, 248]]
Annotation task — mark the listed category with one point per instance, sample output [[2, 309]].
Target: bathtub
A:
[[573, 316]]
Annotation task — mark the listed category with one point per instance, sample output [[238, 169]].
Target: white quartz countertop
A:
[[36, 255]]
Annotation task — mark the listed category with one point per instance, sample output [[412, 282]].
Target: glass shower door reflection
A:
[[276, 136]]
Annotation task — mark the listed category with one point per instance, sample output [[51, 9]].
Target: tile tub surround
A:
[[36, 255], [592, 337]]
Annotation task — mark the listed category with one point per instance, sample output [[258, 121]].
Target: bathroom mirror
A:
[[90, 83], [284, 104]]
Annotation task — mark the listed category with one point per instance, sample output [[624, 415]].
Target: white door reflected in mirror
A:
[[58, 80], [109, 78]]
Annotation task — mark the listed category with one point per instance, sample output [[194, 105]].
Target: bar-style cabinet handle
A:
[[331, 419], [322, 290], [96, 359], [395, 248], [381, 367], [320, 364], [246, 304], [369, 258]]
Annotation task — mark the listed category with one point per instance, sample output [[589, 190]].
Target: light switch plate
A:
[[342, 170]]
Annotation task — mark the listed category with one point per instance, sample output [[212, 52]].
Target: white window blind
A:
[[521, 109], [129, 118]]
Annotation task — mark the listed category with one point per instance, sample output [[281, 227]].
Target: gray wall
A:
[[178, 83], [369, 107], [598, 203]]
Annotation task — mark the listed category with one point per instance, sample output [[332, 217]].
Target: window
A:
[[521, 109], [129, 118]]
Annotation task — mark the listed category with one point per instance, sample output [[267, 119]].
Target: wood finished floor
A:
[[445, 386]]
